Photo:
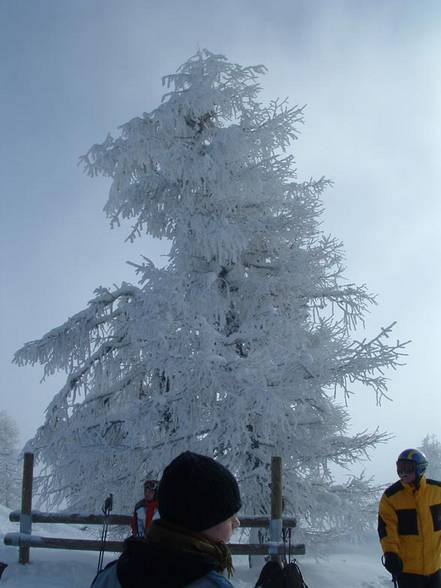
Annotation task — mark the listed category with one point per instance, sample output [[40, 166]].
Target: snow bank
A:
[[48, 568]]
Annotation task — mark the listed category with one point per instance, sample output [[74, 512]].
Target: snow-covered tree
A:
[[431, 447], [9, 469], [240, 347]]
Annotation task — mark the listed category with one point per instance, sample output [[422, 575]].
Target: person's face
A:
[[149, 494], [223, 531], [406, 471]]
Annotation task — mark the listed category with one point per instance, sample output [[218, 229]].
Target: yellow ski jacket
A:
[[409, 524]]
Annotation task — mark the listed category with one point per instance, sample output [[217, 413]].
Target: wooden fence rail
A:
[[22, 540], [118, 519]]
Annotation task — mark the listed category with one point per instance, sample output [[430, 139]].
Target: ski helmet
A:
[[417, 457]]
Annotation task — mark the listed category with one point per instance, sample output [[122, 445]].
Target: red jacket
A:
[[143, 516]]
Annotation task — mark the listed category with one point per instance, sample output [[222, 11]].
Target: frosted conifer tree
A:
[[431, 447], [240, 347], [9, 470]]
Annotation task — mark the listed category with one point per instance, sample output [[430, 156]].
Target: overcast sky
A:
[[369, 72]]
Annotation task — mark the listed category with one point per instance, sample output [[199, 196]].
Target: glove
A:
[[392, 562]]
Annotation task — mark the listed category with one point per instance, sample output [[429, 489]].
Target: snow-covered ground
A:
[[349, 566]]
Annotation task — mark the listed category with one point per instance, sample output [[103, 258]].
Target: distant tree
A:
[[240, 346], [9, 473], [431, 447]]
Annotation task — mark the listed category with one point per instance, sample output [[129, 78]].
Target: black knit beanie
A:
[[197, 492]]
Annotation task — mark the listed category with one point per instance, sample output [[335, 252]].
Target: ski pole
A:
[[107, 508]]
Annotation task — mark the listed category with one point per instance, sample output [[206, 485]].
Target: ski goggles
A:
[[405, 466]]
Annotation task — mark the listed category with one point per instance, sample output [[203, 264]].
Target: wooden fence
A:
[[24, 540]]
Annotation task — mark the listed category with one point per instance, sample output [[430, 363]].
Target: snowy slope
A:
[[348, 567]]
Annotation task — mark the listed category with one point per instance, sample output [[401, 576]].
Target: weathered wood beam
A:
[[35, 541], [116, 519]]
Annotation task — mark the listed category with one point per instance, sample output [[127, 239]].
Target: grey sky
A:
[[369, 72]]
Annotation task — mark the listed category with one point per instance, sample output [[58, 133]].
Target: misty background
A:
[[70, 72]]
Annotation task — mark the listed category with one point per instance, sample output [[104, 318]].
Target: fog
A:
[[369, 74]]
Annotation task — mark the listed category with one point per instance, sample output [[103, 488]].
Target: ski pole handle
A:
[[108, 504]]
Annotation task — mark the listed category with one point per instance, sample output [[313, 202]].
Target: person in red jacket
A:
[[145, 509]]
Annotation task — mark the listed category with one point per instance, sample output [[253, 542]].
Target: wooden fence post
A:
[[276, 507], [26, 505]]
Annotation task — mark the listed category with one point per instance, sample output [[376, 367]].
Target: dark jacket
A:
[[409, 524], [150, 565]]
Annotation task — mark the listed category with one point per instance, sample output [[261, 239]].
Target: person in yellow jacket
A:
[[409, 524]]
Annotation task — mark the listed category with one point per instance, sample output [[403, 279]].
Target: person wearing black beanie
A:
[[198, 499], [197, 492]]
